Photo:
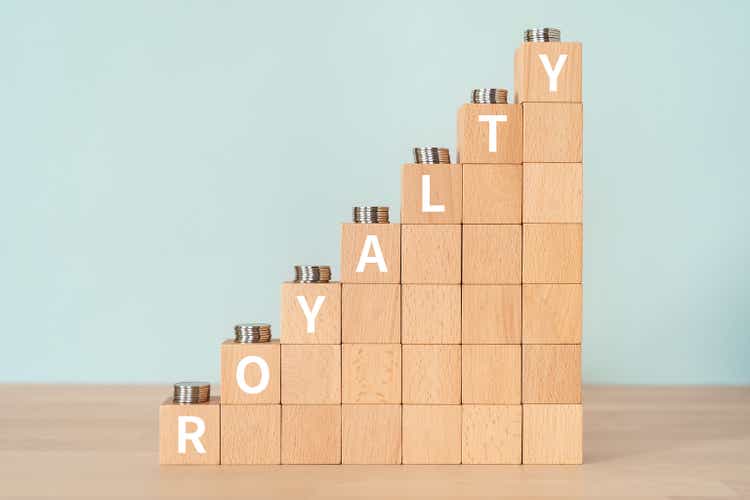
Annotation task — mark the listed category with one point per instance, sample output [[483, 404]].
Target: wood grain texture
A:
[[491, 254], [552, 434], [491, 374], [491, 434], [431, 314], [491, 314], [552, 133], [552, 314], [552, 374], [492, 194], [431, 374], [310, 374], [431, 254], [371, 434], [431, 434], [251, 434], [371, 373], [552, 253], [531, 82], [294, 322], [552, 192], [371, 313], [169, 414], [445, 189], [311, 434], [474, 136], [353, 238], [231, 354]]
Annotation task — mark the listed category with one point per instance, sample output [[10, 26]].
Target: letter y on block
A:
[[310, 315], [553, 73]]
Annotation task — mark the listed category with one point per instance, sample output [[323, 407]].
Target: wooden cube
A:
[[251, 434], [553, 192], [371, 373], [431, 314], [491, 254], [311, 313], [552, 314], [490, 133], [371, 434], [552, 434], [491, 374], [552, 133], [431, 194], [311, 434], [552, 374], [492, 194], [491, 434], [370, 253], [311, 374], [491, 314], [371, 313], [552, 253], [431, 254], [431, 434], [432, 374], [189, 433], [250, 373], [559, 81]]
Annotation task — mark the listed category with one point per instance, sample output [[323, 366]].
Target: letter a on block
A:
[[373, 243], [311, 315], [427, 206], [265, 374], [194, 437], [493, 120], [553, 73]]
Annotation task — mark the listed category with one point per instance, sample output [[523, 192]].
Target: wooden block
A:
[[431, 434], [370, 253], [189, 433], [559, 82], [311, 434], [492, 194], [250, 373], [491, 434], [491, 254], [431, 194], [371, 373], [251, 434], [491, 374], [491, 314], [371, 313], [552, 434], [311, 374], [552, 314], [553, 192], [432, 374], [431, 314], [490, 133], [552, 133], [431, 254], [371, 434], [311, 313], [551, 374], [552, 253]]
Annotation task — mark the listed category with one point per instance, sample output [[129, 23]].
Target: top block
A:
[[548, 72], [490, 133]]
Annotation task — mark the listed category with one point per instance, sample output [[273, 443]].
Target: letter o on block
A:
[[250, 373]]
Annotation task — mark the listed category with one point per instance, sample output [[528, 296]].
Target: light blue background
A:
[[164, 164]]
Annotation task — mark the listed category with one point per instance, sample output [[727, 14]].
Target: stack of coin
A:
[[489, 96], [370, 215], [191, 392], [542, 35], [312, 274], [252, 333], [432, 155]]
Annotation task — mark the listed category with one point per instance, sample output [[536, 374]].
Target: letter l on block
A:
[[427, 206]]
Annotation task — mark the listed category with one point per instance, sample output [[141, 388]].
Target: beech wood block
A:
[[432, 374], [559, 82], [242, 373], [251, 434], [491, 434], [492, 194], [552, 133], [371, 373], [553, 434], [552, 192], [491, 374], [306, 318], [371, 313], [431, 194], [311, 434], [371, 434], [552, 374], [311, 374], [431, 254], [491, 314], [431, 434], [490, 133], [189, 433], [370, 253], [491, 254], [431, 314], [552, 253], [552, 314]]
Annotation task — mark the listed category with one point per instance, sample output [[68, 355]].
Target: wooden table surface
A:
[[101, 441]]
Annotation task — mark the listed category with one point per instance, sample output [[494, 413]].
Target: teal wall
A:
[[164, 164]]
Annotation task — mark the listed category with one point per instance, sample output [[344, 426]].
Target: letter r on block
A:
[[183, 436]]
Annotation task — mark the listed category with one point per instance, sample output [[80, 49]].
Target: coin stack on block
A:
[[252, 333], [191, 392]]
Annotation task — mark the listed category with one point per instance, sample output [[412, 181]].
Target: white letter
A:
[[265, 374], [183, 436], [426, 205], [493, 121], [311, 315], [364, 258], [553, 73]]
